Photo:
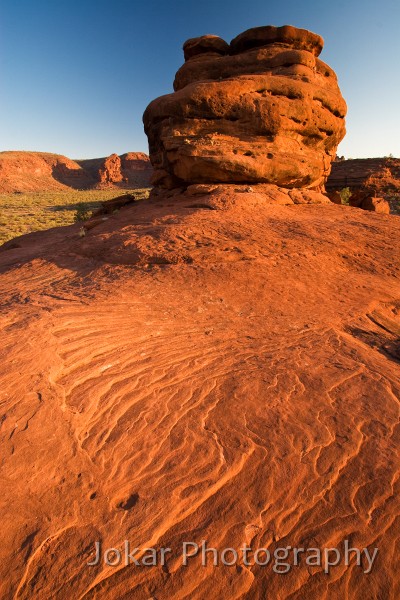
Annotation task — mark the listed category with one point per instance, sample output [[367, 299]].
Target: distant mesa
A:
[[43, 171], [263, 109]]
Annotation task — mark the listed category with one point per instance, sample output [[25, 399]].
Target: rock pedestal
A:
[[262, 109]]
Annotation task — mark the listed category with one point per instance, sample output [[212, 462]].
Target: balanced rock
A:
[[262, 109]]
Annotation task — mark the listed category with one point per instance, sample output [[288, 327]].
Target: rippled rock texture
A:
[[262, 109], [187, 374]]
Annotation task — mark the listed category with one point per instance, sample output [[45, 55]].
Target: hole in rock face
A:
[[92, 496], [276, 93], [248, 153], [129, 503], [270, 155]]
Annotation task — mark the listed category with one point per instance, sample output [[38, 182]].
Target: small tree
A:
[[345, 195], [82, 213]]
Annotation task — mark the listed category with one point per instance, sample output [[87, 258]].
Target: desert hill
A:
[[217, 364], [43, 171]]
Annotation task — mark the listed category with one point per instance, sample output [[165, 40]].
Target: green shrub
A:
[[82, 212], [345, 195]]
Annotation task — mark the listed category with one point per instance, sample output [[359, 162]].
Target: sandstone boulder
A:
[[263, 109], [205, 44], [293, 37], [379, 205]]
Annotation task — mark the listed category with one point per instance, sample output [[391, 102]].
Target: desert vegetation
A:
[[22, 213]]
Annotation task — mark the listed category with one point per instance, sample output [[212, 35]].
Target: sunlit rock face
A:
[[262, 109]]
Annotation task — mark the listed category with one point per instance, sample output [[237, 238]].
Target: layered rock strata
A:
[[262, 109]]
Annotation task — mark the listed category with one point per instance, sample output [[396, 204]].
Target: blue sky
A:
[[76, 76]]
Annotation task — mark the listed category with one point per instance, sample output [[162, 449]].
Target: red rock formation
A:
[[136, 169], [133, 170], [368, 178], [361, 198], [110, 170], [40, 171], [43, 171], [212, 367], [379, 205], [379, 175], [263, 109]]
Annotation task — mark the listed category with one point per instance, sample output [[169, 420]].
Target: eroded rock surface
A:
[[181, 374], [262, 109]]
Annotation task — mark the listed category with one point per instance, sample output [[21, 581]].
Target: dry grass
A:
[[22, 213]]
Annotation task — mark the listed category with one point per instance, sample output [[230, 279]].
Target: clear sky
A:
[[76, 76]]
